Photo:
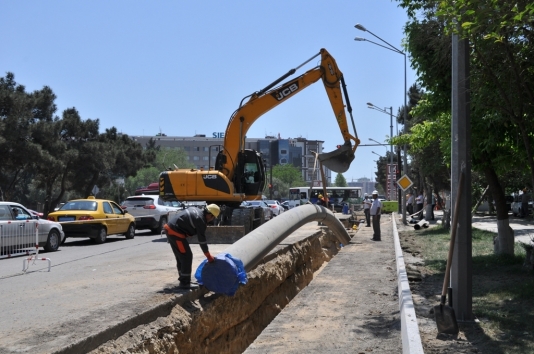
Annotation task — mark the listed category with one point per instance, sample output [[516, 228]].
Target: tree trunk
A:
[[504, 242]]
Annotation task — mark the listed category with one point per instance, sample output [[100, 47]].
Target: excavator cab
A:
[[249, 177], [338, 160]]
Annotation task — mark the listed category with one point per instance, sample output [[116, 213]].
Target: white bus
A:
[[337, 196]]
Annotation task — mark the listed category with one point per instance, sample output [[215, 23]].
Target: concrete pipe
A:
[[258, 243], [420, 224]]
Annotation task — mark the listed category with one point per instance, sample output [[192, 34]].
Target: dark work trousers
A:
[[419, 208], [524, 210], [376, 227], [409, 208], [367, 213], [184, 257]]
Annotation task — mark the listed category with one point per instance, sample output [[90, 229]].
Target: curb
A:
[[411, 340]]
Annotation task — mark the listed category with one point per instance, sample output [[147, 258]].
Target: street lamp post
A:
[[390, 169], [396, 50]]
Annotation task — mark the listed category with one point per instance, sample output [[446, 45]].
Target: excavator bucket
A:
[[338, 160]]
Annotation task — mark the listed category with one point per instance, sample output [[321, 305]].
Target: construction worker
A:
[[376, 208], [190, 222], [367, 210]]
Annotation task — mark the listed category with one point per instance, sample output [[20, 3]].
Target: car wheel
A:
[[130, 233], [53, 241], [162, 222], [101, 237]]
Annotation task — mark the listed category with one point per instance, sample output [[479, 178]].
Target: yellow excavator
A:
[[239, 173]]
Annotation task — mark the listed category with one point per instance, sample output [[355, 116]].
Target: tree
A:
[[288, 174], [501, 83], [340, 180]]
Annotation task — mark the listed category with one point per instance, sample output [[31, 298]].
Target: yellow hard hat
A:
[[320, 195], [214, 209]]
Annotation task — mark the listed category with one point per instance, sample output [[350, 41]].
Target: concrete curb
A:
[[411, 340]]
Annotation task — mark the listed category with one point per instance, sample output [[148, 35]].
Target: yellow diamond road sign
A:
[[404, 182]]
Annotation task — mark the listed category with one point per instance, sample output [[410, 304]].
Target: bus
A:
[[337, 196]]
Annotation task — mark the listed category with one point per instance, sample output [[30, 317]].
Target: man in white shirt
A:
[[366, 210], [376, 207]]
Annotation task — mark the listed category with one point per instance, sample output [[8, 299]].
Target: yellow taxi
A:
[[94, 218]]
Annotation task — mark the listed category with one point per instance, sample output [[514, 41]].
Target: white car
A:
[[18, 230], [150, 211], [275, 206]]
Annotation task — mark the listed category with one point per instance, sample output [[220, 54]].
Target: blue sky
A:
[[182, 68]]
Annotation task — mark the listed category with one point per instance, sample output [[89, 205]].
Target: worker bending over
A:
[[190, 222]]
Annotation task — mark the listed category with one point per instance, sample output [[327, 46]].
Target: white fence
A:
[[19, 238]]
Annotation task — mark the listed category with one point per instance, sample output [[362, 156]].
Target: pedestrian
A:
[[419, 200], [409, 204], [376, 207], [366, 210], [189, 222], [524, 203]]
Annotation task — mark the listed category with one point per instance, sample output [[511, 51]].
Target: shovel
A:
[[338, 160], [445, 317]]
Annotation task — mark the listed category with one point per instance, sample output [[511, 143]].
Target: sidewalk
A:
[[351, 306]]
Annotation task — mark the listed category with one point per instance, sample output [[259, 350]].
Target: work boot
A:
[[183, 285]]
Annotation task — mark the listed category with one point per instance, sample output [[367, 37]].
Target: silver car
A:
[[267, 211], [18, 231], [150, 211]]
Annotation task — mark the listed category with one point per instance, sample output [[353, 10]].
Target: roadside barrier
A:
[[19, 238]]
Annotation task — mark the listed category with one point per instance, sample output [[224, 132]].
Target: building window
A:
[[205, 148], [205, 158], [195, 158], [283, 151], [196, 148]]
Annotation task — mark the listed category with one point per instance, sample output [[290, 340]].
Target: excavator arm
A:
[[266, 99]]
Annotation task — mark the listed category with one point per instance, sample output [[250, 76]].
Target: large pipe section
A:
[[258, 243]]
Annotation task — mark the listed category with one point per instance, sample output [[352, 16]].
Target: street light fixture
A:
[[396, 50]]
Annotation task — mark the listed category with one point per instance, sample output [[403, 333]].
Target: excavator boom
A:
[[264, 100]]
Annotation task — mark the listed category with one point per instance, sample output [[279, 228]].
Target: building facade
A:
[[202, 151]]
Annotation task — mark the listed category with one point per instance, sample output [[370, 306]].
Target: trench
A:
[[215, 323]]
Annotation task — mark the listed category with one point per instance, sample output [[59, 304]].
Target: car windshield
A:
[[256, 203], [270, 202], [80, 205]]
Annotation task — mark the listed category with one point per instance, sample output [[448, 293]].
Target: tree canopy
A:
[[43, 156]]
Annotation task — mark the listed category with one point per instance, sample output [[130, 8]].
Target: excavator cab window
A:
[[250, 174], [220, 161]]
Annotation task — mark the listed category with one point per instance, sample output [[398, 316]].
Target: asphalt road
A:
[[89, 287]]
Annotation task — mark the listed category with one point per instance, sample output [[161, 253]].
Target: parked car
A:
[[150, 211], [267, 211], [275, 206], [12, 215], [285, 205], [94, 218]]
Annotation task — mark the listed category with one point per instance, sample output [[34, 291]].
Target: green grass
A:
[[503, 290]]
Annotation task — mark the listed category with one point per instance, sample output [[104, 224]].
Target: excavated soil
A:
[[222, 324]]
